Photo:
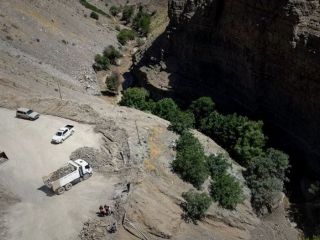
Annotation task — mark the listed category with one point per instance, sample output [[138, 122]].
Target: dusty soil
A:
[[31, 156], [7, 199]]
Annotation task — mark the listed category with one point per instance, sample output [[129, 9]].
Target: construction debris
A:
[[61, 172], [94, 229]]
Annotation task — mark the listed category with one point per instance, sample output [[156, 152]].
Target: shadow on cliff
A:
[[187, 81]]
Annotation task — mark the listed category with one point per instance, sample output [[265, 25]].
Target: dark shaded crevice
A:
[[219, 11]]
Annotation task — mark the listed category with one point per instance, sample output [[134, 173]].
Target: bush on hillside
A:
[[226, 190], [125, 35], [94, 15], [182, 121], [141, 23], [137, 98], [196, 205], [112, 53], [101, 63], [217, 165], [166, 108], [190, 162], [202, 108], [113, 82], [265, 176]]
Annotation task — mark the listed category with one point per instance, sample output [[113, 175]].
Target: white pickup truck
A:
[[62, 134], [65, 177]]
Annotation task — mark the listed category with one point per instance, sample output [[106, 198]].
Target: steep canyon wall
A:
[[262, 56]]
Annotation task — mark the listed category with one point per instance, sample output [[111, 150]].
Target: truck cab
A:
[[84, 167]]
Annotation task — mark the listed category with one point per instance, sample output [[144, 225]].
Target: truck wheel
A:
[[86, 176], [68, 186], [60, 190]]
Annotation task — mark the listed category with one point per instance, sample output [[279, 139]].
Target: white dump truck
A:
[[65, 177], [63, 133]]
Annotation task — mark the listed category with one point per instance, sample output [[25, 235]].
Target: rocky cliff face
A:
[[263, 56]]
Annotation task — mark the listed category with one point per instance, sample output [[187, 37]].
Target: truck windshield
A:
[[29, 112], [59, 133]]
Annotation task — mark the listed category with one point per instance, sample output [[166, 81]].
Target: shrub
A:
[[227, 191], [112, 54], [92, 7], [313, 238], [190, 162], [241, 137], [113, 82], [127, 13], [94, 15], [217, 165], [125, 35], [166, 108], [136, 98], [141, 23], [182, 121], [196, 205], [265, 176], [114, 11], [202, 108], [101, 63]]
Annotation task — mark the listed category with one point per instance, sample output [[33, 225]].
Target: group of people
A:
[[105, 210]]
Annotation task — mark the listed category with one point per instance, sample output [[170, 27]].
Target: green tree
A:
[[217, 165], [125, 35], [195, 205], [241, 137], [182, 121], [202, 108], [190, 162], [265, 176], [166, 108], [136, 98], [227, 191]]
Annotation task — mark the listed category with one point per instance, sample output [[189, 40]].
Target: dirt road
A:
[[40, 214]]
